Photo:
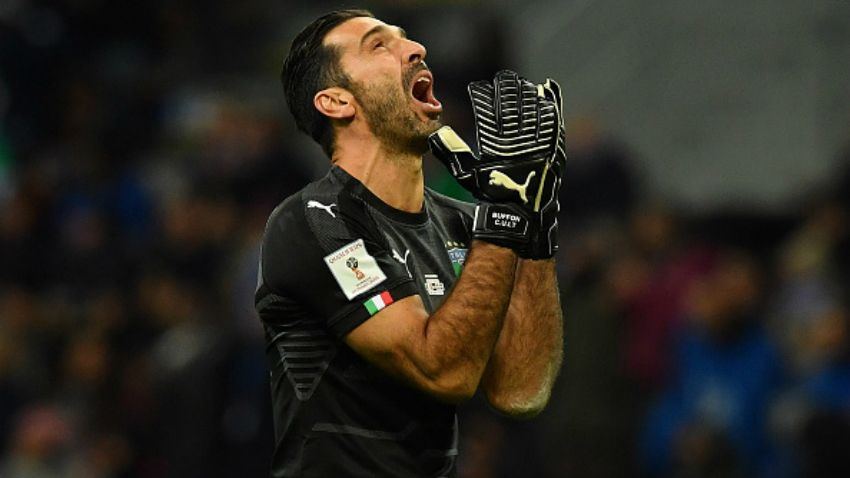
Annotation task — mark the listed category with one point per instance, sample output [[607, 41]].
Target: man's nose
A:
[[415, 52]]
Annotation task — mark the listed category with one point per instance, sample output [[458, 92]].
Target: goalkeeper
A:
[[385, 304]]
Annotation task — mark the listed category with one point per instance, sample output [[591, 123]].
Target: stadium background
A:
[[704, 264]]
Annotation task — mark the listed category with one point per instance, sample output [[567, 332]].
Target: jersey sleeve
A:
[[326, 254]]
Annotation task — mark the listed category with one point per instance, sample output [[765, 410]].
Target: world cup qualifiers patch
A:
[[354, 269]]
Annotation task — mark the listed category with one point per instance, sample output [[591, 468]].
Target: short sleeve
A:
[[324, 253]]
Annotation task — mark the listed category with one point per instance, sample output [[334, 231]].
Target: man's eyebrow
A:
[[380, 29]]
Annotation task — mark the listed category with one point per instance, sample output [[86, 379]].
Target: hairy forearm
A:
[[460, 335], [524, 364]]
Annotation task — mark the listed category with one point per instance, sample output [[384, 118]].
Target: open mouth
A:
[[422, 91]]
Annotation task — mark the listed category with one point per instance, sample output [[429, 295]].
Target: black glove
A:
[[519, 131]]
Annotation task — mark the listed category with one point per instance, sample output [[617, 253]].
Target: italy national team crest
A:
[[457, 254]]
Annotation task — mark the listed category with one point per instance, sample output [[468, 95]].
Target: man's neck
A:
[[396, 178]]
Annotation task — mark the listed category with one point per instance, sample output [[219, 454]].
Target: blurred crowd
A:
[[142, 148]]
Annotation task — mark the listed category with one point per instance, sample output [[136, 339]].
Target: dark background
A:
[[704, 261]]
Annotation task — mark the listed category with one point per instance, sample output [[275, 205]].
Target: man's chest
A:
[[432, 254]]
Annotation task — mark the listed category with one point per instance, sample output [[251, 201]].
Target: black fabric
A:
[[335, 414]]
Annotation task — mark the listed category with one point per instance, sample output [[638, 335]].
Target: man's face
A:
[[389, 80]]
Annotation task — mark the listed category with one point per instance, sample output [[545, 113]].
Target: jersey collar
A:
[[359, 189]]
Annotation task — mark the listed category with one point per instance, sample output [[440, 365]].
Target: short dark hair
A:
[[310, 67]]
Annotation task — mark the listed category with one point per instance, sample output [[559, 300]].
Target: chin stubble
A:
[[388, 114]]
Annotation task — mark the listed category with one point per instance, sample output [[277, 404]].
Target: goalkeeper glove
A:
[[520, 138]]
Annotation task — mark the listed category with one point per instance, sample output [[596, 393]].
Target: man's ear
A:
[[335, 103]]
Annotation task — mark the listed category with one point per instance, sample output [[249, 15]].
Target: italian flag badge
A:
[[378, 302]]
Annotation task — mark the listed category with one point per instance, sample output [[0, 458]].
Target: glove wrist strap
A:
[[505, 225]]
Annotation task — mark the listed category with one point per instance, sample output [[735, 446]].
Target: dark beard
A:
[[388, 113]]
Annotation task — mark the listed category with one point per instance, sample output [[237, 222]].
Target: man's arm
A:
[[444, 354], [522, 369]]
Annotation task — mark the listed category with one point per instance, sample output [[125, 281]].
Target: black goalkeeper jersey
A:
[[333, 255]]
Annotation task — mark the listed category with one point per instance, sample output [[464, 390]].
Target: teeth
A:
[[426, 80]]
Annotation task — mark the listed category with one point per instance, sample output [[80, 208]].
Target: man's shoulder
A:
[[315, 201], [324, 215]]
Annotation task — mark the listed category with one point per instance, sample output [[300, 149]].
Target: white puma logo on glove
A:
[[318, 205], [498, 178]]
